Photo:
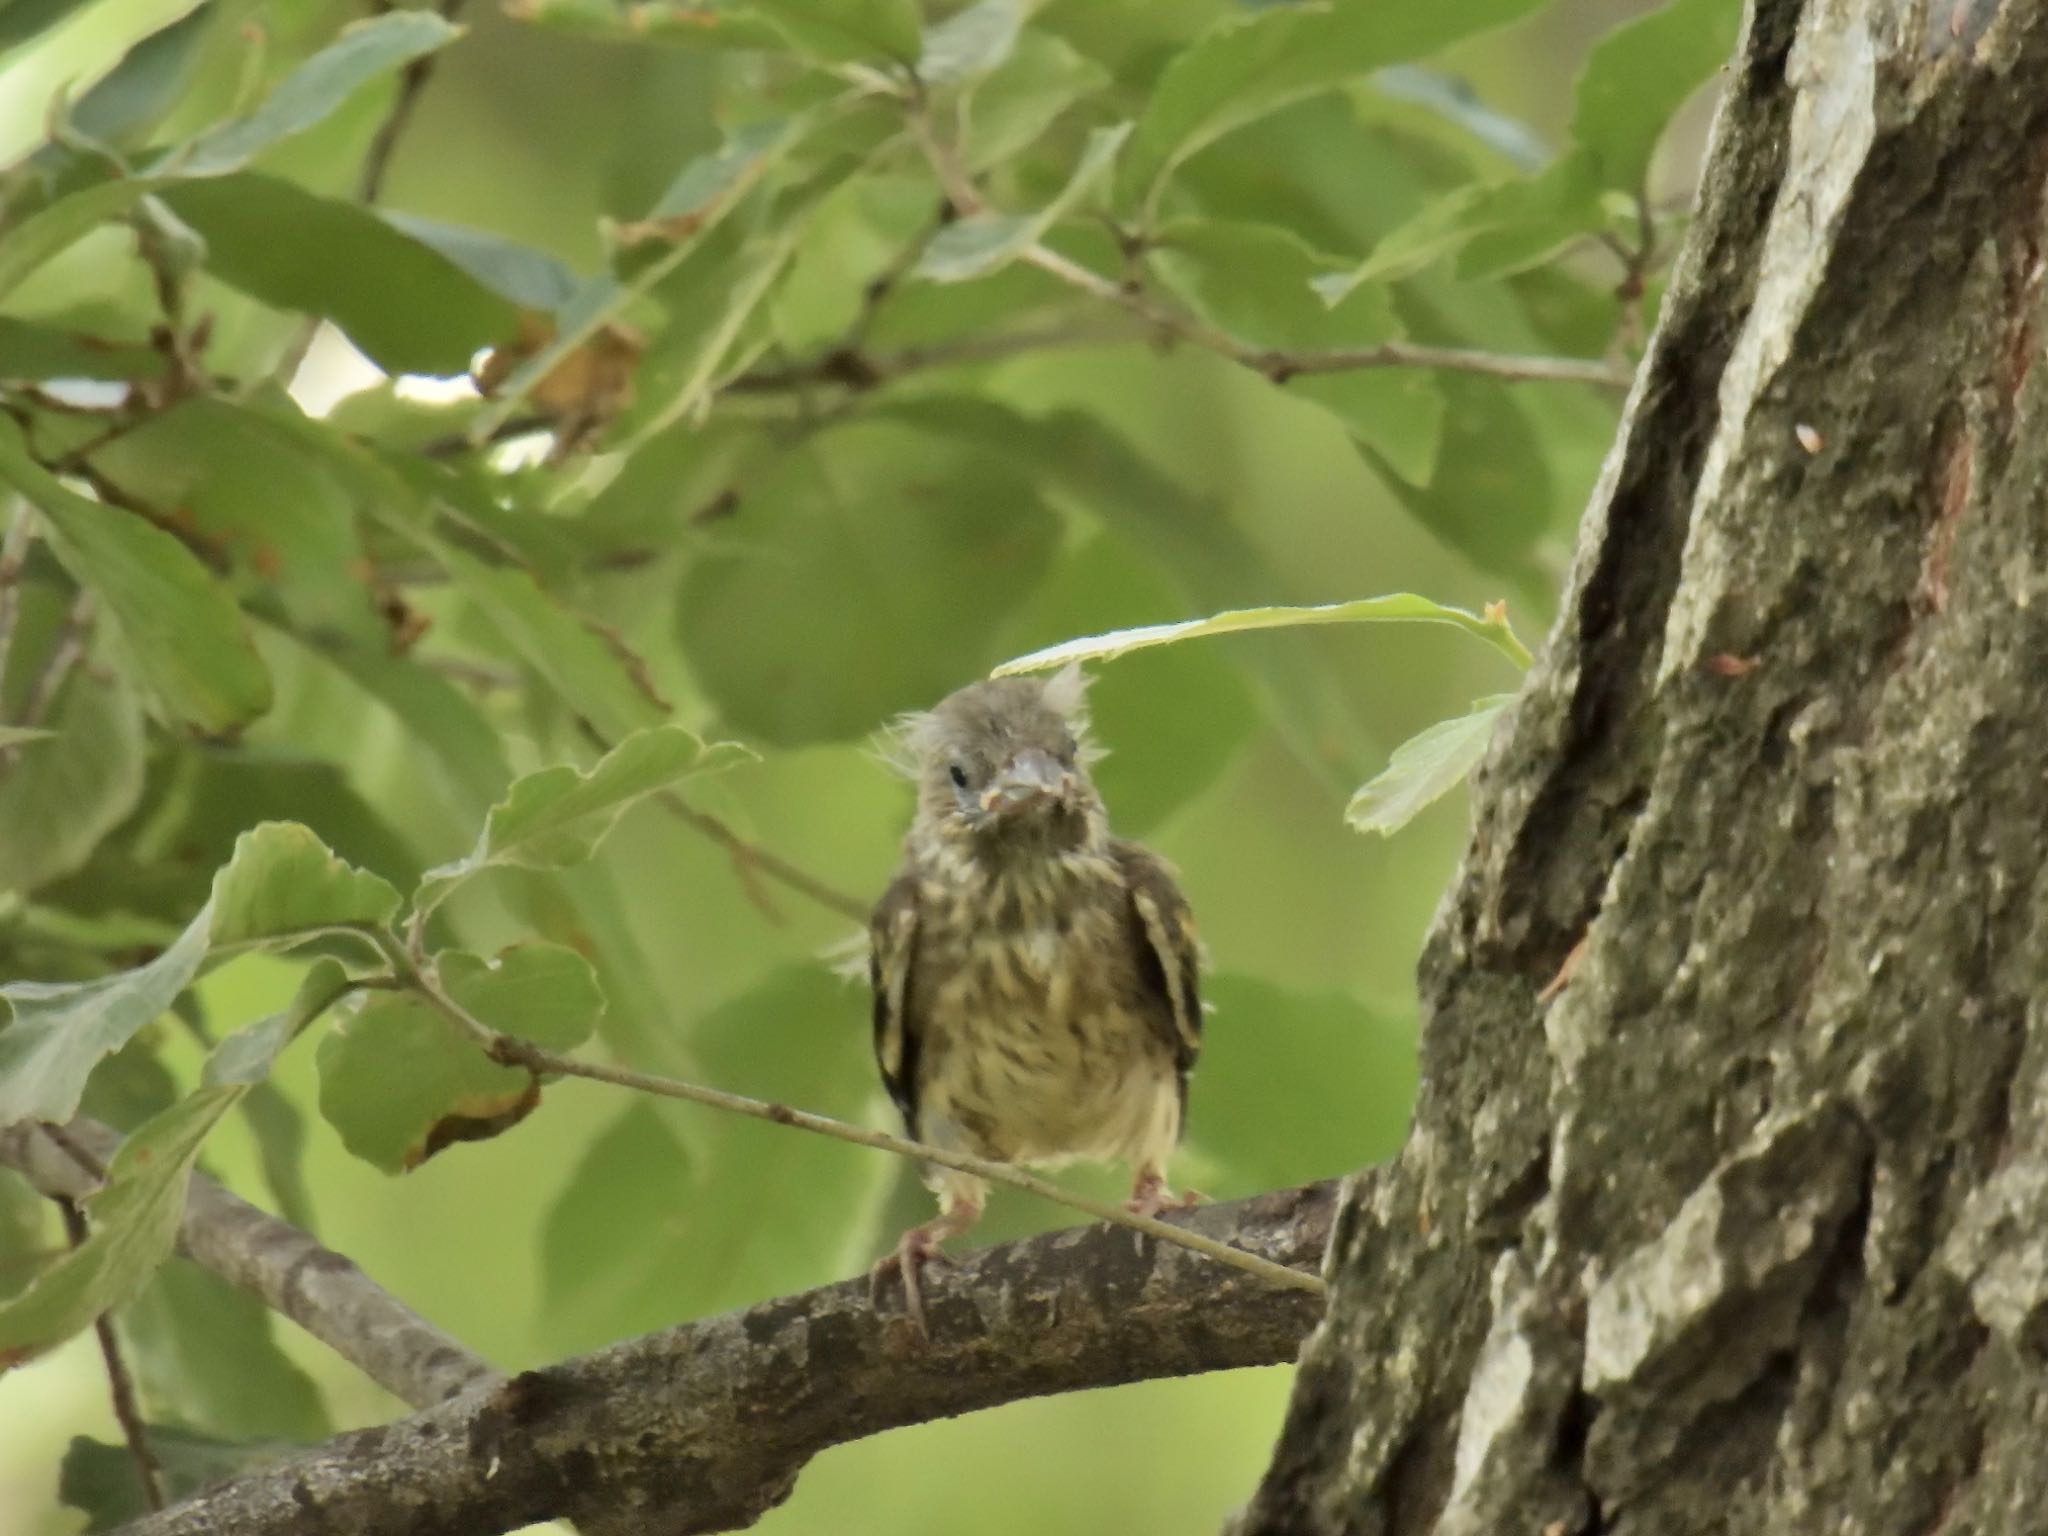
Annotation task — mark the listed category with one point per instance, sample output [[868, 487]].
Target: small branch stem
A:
[[752, 856], [56, 667], [13, 558], [512, 1051], [120, 1385], [1279, 366], [377, 158]]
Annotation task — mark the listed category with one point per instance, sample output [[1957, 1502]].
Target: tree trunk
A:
[[1744, 1227]]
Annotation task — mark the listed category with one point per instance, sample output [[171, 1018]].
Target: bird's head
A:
[[1006, 762]]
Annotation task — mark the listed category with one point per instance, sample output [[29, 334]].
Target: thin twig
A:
[[1282, 366], [850, 368], [1277, 365], [754, 856], [512, 1051], [13, 558], [885, 283], [57, 665], [534, 1058], [120, 1385], [377, 159]]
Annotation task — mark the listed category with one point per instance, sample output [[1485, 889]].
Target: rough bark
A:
[[1743, 1229], [704, 1427]]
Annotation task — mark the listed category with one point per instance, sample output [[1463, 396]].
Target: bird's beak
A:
[[1031, 778]]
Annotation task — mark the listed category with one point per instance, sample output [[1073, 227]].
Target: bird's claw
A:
[[1150, 1197], [913, 1251]]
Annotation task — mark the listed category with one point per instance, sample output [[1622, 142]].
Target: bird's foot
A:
[[915, 1249], [1150, 1196]]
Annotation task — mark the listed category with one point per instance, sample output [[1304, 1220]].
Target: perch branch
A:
[[706, 1426]]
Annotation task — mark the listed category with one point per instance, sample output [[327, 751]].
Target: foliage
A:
[[738, 375]]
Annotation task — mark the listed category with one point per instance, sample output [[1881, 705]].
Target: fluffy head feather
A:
[[962, 746]]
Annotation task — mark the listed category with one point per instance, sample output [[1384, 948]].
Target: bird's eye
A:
[[959, 776]]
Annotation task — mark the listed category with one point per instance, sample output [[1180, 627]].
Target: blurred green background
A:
[[866, 568]]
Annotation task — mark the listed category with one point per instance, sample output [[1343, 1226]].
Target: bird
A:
[[1035, 978]]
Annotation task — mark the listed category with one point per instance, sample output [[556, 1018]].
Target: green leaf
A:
[[1256, 282], [405, 304], [280, 1131], [69, 788], [27, 1234], [134, 1222], [1641, 73], [246, 1057], [134, 97], [1340, 1077], [1011, 109], [1634, 80], [587, 665], [1489, 492], [1424, 768], [662, 1220], [1255, 64], [311, 92], [401, 1082], [636, 1175], [946, 543], [1440, 227], [556, 818], [31, 351], [61, 1030], [23, 19], [280, 886], [984, 242], [1172, 719], [439, 715], [100, 1479], [307, 95], [1077, 457], [970, 43], [283, 883], [695, 204], [1396, 608], [517, 273], [273, 520], [546, 993], [847, 30], [206, 1355], [184, 636]]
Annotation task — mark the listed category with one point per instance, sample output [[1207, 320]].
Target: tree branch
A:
[[318, 1289], [705, 1426]]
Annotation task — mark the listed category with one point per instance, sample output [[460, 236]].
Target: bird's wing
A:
[[1169, 954], [892, 942]]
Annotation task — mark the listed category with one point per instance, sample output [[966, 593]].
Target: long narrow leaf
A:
[[1395, 608]]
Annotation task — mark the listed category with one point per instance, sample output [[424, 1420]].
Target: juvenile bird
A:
[[1035, 978]]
